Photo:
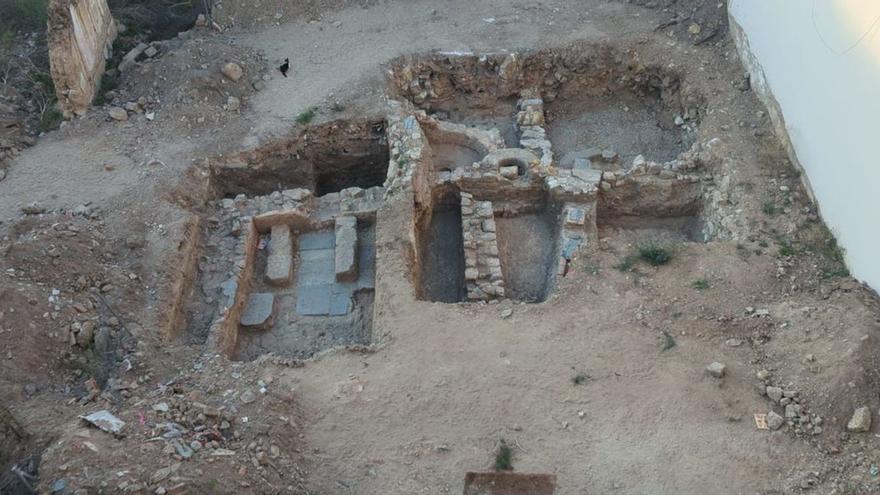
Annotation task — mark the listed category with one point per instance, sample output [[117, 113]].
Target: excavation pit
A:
[[315, 310], [441, 249], [326, 159], [621, 124], [499, 207], [291, 271], [527, 246]]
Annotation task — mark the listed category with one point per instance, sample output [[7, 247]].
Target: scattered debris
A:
[[105, 421]]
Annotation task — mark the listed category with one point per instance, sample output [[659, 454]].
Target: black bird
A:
[[285, 67]]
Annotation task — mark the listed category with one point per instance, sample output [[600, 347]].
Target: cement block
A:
[[346, 249], [259, 312]]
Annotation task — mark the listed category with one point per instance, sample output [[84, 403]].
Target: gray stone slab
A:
[[587, 175], [228, 289], [346, 249], [316, 240], [340, 303], [317, 260], [314, 300], [259, 310], [279, 265]]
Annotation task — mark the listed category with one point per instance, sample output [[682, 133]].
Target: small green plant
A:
[[700, 284], [625, 265], [654, 254], [763, 243], [785, 249], [504, 457], [50, 119], [580, 379], [109, 82], [668, 341], [770, 209], [306, 116]]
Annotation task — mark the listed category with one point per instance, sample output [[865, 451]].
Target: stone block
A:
[[279, 265], [860, 420], [259, 312], [510, 172], [346, 249], [575, 216]]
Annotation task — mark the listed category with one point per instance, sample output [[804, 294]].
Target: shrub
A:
[[504, 457], [654, 254]]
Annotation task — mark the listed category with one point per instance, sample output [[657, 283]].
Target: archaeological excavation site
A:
[[386, 247]]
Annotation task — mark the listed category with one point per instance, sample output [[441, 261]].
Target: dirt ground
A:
[[602, 384]]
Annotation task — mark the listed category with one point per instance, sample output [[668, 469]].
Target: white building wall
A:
[[816, 63]]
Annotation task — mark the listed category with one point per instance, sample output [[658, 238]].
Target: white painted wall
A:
[[821, 62]]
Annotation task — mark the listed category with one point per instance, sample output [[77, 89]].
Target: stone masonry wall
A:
[[482, 264], [80, 37]]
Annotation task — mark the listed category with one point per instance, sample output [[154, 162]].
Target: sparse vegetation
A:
[[306, 116], [580, 378], [626, 264], [504, 457], [50, 119], [770, 209], [654, 254], [27, 15], [700, 284], [668, 341], [785, 249]]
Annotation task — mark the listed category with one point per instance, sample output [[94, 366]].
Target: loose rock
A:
[[117, 113], [716, 370], [775, 421], [232, 71], [860, 420]]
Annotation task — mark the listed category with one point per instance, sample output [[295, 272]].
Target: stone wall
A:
[[80, 38]]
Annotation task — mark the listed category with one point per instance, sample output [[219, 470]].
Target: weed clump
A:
[[654, 254], [770, 209], [504, 457], [306, 116]]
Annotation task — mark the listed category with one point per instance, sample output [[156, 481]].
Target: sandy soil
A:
[[445, 382]]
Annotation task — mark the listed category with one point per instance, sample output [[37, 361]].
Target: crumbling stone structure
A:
[[80, 38]]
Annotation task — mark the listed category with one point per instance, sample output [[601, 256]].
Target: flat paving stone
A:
[[259, 310], [319, 293], [317, 240], [314, 300]]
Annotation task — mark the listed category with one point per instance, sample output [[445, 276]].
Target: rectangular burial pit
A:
[[527, 244], [328, 302], [441, 251]]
